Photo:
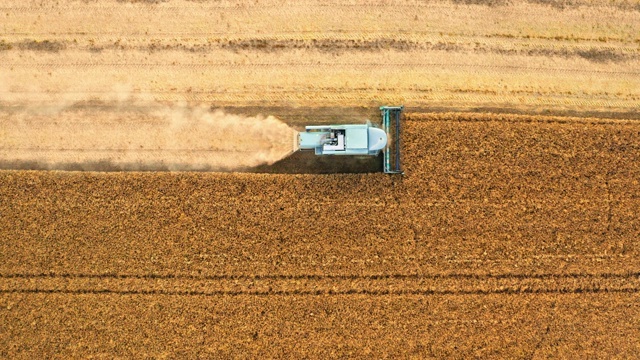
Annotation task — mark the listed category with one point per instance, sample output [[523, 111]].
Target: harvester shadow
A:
[[306, 162], [300, 162]]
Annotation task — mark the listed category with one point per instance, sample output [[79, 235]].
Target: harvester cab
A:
[[359, 139]]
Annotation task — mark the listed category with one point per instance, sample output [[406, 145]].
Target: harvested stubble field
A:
[[574, 56], [509, 236]]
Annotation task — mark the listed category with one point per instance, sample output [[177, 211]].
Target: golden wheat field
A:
[[513, 233]]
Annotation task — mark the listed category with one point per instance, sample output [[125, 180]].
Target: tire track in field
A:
[[293, 90], [342, 34], [501, 7], [366, 66], [332, 42], [313, 284], [216, 277], [325, 292]]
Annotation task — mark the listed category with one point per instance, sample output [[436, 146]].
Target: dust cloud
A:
[[126, 134]]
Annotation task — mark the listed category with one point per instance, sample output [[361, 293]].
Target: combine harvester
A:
[[359, 139]]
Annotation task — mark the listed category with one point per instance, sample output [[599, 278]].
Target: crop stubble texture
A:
[[509, 236]]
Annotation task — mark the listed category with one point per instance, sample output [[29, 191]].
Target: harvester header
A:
[[359, 139], [391, 125]]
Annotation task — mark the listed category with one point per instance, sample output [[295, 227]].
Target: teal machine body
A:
[[359, 139]]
